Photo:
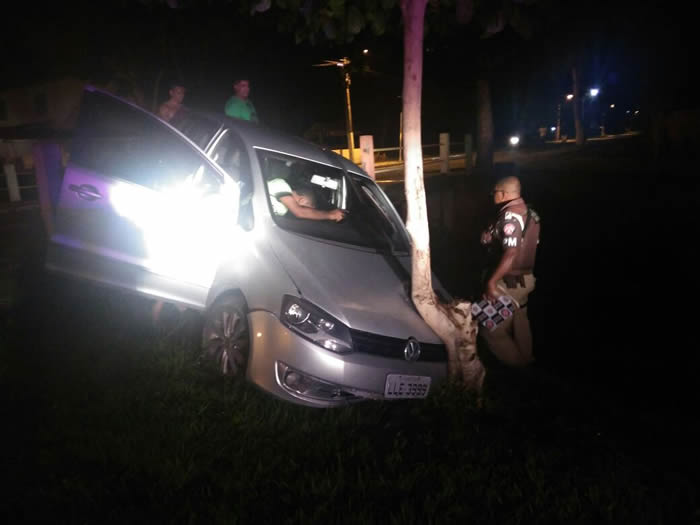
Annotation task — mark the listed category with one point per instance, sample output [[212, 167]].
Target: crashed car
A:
[[314, 311]]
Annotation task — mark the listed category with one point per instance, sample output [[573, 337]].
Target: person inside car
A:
[[299, 201]]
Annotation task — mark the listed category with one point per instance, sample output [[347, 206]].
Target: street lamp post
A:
[[557, 137], [345, 75], [348, 117]]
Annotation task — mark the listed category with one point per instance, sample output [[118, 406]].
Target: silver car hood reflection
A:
[[357, 286]]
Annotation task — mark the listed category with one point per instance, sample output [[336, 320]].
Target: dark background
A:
[[638, 55]]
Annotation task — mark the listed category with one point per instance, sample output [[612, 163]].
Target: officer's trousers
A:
[[511, 341]]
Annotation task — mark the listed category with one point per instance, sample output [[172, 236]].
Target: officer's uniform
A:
[[517, 226]]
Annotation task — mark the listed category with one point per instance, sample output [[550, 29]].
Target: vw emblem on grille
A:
[[412, 350]]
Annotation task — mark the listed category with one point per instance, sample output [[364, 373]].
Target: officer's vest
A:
[[525, 259]]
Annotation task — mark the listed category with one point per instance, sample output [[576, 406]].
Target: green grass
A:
[[107, 420]]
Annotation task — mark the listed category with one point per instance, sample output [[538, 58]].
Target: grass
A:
[[111, 421], [108, 420]]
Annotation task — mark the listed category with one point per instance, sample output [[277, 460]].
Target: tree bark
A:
[[484, 152], [453, 322], [580, 138]]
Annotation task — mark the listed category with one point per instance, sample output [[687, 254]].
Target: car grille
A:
[[393, 347]]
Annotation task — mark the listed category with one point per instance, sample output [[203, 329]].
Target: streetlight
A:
[[594, 92], [365, 51], [612, 106], [569, 96], [342, 63]]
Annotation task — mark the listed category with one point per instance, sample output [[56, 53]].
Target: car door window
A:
[[198, 128], [121, 141], [230, 154]]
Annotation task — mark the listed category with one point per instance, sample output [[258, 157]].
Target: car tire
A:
[[225, 335]]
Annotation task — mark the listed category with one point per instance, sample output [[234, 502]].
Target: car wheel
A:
[[225, 337]]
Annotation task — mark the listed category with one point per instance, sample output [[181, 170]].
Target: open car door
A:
[[141, 206]]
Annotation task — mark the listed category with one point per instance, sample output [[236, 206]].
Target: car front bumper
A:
[[328, 379]]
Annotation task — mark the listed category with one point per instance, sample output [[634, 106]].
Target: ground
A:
[[109, 420]]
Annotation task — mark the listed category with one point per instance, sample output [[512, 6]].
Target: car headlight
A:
[[316, 325]]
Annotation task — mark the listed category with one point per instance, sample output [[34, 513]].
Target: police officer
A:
[[516, 235]]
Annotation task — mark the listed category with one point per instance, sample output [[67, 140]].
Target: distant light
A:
[[612, 106], [628, 112], [594, 92], [553, 128], [259, 334], [365, 51], [636, 112], [569, 96], [514, 140]]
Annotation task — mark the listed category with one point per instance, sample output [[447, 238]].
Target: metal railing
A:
[[430, 152], [18, 184]]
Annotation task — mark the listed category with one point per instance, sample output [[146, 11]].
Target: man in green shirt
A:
[[238, 106]]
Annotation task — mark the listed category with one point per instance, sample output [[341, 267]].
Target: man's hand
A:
[[336, 215], [486, 237], [492, 293]]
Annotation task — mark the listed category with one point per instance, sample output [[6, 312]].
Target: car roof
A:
[[263, 137]]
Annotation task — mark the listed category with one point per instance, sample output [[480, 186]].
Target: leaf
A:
[[465, 11], [337, 8], [260, 6], [329, 29], [355, 20], [521, 23], [494, 26], [306, 11], [378, 22]]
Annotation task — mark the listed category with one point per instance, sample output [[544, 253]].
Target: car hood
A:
[[364, 289]]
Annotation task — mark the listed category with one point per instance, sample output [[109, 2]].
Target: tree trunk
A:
[[580, 138], [484, 152], [452, 323]]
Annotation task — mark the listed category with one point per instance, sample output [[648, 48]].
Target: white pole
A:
[[444, 152], [12, 184], [367, 154]]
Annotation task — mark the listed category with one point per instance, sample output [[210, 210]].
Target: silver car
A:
[[314, 311]]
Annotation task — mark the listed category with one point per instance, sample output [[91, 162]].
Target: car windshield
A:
[[370, 220]]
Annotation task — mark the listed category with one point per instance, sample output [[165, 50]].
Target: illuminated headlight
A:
[[316, 325], [514, 140]]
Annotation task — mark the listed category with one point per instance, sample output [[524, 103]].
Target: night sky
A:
[[632, 53]]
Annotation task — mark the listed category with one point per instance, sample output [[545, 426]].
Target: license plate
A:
[[406, 387]]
